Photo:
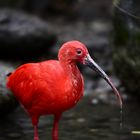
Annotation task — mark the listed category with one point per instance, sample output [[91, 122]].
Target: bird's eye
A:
[[79, 52]]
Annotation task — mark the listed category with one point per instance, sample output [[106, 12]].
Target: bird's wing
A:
[[36, 80], [21, 82]]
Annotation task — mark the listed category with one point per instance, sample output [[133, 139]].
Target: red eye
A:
[[79, 52]]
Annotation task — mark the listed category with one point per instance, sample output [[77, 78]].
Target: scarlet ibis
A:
[[53, 86]]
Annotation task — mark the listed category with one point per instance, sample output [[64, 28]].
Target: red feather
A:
[[45, 88]]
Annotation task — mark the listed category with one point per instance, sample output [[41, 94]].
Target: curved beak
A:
[[93, 65]]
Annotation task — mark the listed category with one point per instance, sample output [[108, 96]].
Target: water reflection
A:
[[84, 122]]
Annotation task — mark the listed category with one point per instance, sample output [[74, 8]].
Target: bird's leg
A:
[[35, 124], [36, 133], [55, 127]]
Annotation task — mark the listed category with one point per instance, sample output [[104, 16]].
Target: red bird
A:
[[53, 86]]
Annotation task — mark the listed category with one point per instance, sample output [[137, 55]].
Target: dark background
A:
[[34, 30]]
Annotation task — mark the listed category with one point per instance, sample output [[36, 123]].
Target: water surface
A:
[[84, 122]]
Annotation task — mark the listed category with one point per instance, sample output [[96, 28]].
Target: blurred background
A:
[[34, 30]]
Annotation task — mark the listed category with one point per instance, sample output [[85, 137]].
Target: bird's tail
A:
[[8, 79], [8, 74]]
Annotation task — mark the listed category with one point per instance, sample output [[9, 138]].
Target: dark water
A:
[[84, 122]]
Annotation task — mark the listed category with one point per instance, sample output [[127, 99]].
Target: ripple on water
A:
[[85, 121]]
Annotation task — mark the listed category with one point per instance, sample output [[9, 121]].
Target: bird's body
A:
[[53, 86], [47, 87]]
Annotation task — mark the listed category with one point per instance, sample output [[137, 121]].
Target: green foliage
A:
[[127, 49]]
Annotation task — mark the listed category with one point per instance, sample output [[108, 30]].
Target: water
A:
[[84, 122]]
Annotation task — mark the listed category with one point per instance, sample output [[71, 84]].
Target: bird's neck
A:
[[70, 67]]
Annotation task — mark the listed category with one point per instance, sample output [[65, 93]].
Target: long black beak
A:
[[93, 65]]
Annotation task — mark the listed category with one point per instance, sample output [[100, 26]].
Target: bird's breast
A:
[[74, 87]]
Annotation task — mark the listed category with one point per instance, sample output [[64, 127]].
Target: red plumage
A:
[[48, 87], [45, 87]]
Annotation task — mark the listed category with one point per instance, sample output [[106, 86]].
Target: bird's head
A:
[[75, 51]]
